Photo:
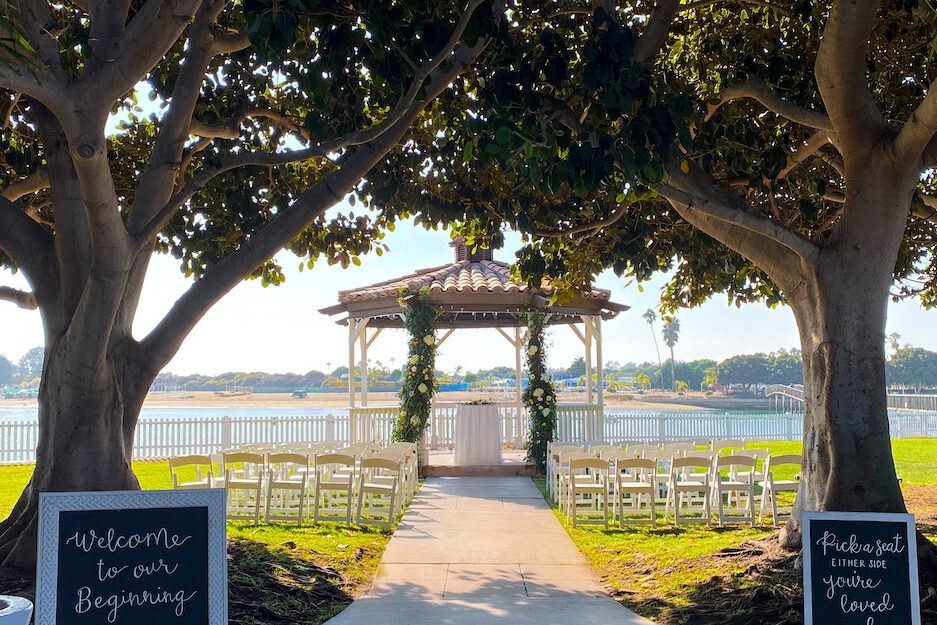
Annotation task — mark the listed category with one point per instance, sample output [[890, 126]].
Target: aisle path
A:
[[480, 551]]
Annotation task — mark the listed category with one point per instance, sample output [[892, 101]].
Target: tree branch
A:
[[22, 299], [593, 226], [927, 212], [22, 239], [230, 43], [164, 340], [144, 41], [36, 181], [402, 109], [655, 33], [696, 191], [920, 129], [841, 72], [810, 147], [702, 4], [757, 90], [232, 130], [162, 169]]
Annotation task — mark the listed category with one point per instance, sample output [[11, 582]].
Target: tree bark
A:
[[87, 416], [840, 304]]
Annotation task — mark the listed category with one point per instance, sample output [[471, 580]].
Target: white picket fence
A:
[[161, 438]]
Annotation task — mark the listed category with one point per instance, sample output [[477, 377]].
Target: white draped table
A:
[[477, 435]]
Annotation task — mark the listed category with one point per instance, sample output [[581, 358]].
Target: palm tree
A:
[[650, 316], [893, 343], [671, 333]]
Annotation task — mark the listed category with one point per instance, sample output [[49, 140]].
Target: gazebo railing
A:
[[580, 422]]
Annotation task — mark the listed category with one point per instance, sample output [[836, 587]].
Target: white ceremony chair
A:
[[202, 466], [642, 448], [561, 466], [726, 447], [690, 486], [555, 468], [597, 450], [334, 493], [771, 487], [588, 491], [379, 484], [634, 477], [287, 486], [677, 449], [733, 489], [244, 474]]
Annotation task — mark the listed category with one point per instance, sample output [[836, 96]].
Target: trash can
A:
[[15, 610]]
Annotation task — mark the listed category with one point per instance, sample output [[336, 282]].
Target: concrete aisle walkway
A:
[[479, 551]]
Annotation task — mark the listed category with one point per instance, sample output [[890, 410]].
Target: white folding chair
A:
[[728, 446], [641, 448], [771, 487], [561, 464], [733, 489], [335, 487], [677, 449], [287, 486], [588, 491], [244, 474], [379, 484], [634, 477], [555, 469], [200, 464], [690, 486]]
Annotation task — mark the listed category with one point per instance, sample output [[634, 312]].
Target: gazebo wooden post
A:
[[363, 341], [517, 371], [599, 367], [588, 343], [352, 334]]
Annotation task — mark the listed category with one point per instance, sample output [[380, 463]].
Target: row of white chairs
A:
[[608, 480], [364, 482]]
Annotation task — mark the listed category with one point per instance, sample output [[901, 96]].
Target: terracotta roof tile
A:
[[463, 276]]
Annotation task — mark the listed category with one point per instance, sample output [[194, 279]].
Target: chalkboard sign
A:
[[860, 568], [134, 557]]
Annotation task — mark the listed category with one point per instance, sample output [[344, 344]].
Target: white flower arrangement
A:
[[532, 350], [414, 359], [538, 392], [414, 420], [422, 388], [429, 339]]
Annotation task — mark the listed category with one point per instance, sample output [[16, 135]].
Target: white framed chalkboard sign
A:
[[132, 557], [860, 568]]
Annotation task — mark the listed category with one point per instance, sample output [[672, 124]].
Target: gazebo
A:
[[474, 291]]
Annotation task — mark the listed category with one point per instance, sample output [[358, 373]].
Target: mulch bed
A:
[[769, 590]]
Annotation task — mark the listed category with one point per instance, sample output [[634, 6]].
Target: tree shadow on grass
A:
[[768, 591], [267, 585]]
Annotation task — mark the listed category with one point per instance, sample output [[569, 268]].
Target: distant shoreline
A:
[[209, 399]]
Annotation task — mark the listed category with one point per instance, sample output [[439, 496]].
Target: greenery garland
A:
[[540, 396], [416, 395]]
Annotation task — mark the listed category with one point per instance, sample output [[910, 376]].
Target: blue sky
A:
[[279, 329]]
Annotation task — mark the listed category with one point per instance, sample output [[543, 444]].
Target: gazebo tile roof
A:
[[463, 276]]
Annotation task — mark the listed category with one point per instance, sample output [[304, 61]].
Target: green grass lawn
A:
[[278, 573], [678, 574]]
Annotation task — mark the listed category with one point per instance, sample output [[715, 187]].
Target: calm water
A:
[[19, 413]]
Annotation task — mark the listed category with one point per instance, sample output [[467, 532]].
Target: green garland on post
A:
[[539, 397], [416, 395]]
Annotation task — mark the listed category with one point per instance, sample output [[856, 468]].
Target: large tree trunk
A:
[[840, 305], [87, 416]]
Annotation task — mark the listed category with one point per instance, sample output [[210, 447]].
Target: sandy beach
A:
[[205, 399]]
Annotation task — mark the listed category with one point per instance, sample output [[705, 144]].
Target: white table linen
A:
[[477, 435]]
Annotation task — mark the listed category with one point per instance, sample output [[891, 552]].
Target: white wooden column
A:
[[600, 368], [363, 342], [517, 368], [352, 333], [588, 343]]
